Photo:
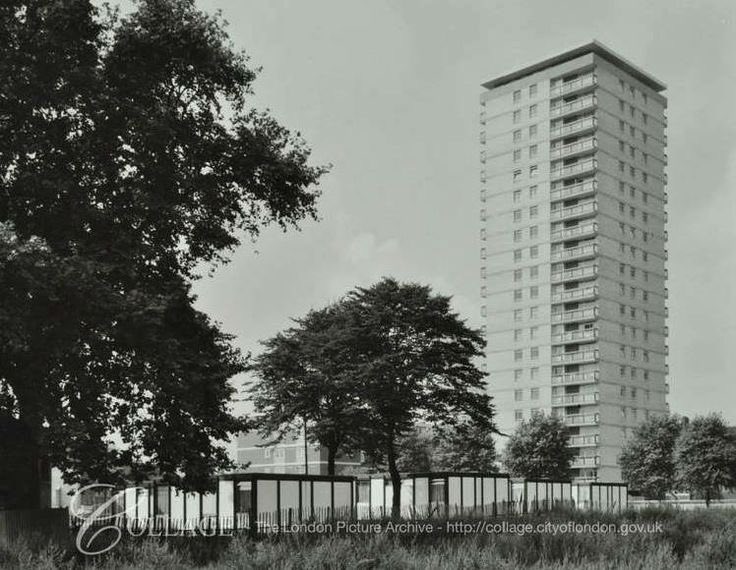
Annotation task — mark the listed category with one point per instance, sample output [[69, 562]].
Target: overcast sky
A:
[[387, 91]]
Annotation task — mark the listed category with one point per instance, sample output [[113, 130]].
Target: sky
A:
[[387, 92]]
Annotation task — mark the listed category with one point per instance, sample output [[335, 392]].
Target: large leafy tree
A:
[[647, 459], [467, 447], [415, 362], [705, 456], [129, 159], [304, 377], [538, 449]]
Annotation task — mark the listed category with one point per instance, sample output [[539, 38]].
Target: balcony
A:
[[576, 274], [574, 128], [666, 387], [572, 212], [576, 378], [579, 462], [578, 315], [574, 399], [578, 252], [482, 117], [586, 335], [587, 229], [578, 357], [581, 419], [578, 190], [577, 169], [583, 440], [581, 104], [574, 85], [581, 294], [573, 149]]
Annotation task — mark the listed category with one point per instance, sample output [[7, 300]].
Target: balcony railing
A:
[[573, 399], [580, 294], [576, 378], [585, 335], [581, 419], [582, 230], [579, 252], [573, 85], [583, 440], [575, 127], [581, 104], [576, 315], [573, 191], [578, 357], [577, 211], [574, 169], [578, 273], [585, 462], [573, 148]]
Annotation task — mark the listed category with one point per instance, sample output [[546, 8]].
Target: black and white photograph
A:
[[367, 284]]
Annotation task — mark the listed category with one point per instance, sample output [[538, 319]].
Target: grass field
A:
[[687, 540]]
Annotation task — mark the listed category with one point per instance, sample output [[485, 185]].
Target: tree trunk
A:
[[22, 464], [707, 498], [393, 471], [331, 456]]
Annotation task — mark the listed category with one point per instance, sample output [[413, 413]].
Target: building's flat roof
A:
[[594, 47]]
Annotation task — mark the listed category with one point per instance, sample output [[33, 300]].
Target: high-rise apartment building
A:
[[573, 248]]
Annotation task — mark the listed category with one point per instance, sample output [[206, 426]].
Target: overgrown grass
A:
[[690, 540]]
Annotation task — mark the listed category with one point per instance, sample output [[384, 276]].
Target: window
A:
[[533, 292], [645, 217], [621, 84], [517, 335], [621, 268], [532, 192], [517, 175], [632, 131], [517, 315], [645, 256], [645, 157], [622, 371], [621, 207], [621, 166], [622, 309], [517, 295], [533, 151], [483, 311], [621, 105], [632, 211], [534, 352], [518, 374], [644, 96], [533, 211], [517, 95], [632, 312], [534, 372], [517, 235], [644, 137], [533, 251], [517, 135], [632, 91], [621, 228], [518, 415], [483, 272], [645, 197], [645, 295], [483, 215], [621, 187], [517, 275], [535, 393], [517, 116], [517, 155], [517, 215], [645, 177], [632, 292], [533, 312], [533, 171], [633, 353], [533, 232], [532, 111], [633, 272], [517, 255], [632, 151], [533, 332], [517, 196], [534, 272], [644, 118], [622, 391], [621, 146], [532, 131], [482, 252], [484, 291], [622, 351], [518, 355], [622, 289], [622, 126], [631, 110], [518, 395], [533, 90], [632, 171], [483, 234]]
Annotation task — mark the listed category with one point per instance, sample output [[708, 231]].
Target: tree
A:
[[705, 456], [304, 375], [538, 449], [414, 363], [647, 460], [129, 161], [416, 451], [466, 448]]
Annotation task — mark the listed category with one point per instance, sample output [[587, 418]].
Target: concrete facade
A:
[[573, 249]]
